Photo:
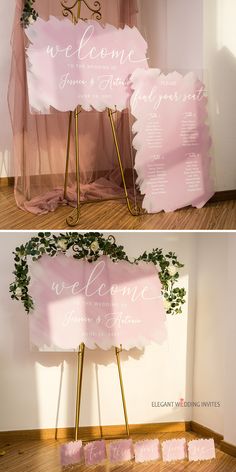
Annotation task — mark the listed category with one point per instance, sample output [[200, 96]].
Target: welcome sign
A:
[[86, 64], [172, 140], [101, 304]]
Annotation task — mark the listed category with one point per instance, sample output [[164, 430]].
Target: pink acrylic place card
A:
[[87, 64], [174, 450], [95, 452], [121, 451], [148, 450], [201, 450], [102, 304], [172, 140], [71, 453]]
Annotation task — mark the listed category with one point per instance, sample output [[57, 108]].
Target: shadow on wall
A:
[[224, 102], [220, 70]]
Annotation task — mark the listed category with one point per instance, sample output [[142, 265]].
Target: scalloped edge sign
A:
[[172, 140], [87, 64], [102, 304]]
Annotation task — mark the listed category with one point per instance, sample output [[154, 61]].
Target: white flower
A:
[[62, 244], [167, 305], [31, 19], [172, 270], [94, 246], [18, 292]]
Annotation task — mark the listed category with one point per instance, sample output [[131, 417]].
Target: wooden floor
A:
[[115, 216], [43, 456]]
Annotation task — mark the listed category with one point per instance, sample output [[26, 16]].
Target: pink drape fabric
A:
[[40, 141]]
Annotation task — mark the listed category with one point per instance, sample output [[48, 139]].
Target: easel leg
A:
[[67, 155], [79, 387], [73, 219], [136, 211], [118, 351]]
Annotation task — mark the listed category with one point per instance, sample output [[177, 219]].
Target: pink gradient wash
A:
[[174, 450], [95, 452], [172, 140], [118, 303], [71, 453], [201, 450], [65, 68], [121, 451], [148, 450]]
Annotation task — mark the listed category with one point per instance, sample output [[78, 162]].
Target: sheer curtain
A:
[[40, 141]]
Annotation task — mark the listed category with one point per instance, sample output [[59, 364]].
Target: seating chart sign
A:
[[101, 304], [86, 64], [172, 140]]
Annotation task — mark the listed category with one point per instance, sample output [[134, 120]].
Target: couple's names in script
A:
[[109, 320], [105, 82]]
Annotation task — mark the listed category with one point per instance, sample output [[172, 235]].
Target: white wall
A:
[[210, 306], [229, 378], [30, 381], [215, 347], [220, 76], [199, 35]]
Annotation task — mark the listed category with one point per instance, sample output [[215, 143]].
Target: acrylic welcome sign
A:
[[101, 304], [172, 140], [87, 64]]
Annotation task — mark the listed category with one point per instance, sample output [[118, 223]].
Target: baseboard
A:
[[6, 181], [206, 432], [224, 196], [95, 432], [228, 448]]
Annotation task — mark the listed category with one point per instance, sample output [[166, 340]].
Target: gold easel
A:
[[79, 389], [73, 219]]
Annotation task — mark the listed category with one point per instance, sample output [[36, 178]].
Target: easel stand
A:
[[79, 389], [74, 11]]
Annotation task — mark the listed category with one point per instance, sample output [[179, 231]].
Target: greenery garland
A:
[[29, 14], [91, 246]]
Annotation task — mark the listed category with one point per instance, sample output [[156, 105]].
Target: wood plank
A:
[[115, 216]]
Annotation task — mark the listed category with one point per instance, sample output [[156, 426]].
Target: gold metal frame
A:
[[73, 219], [79, 389]]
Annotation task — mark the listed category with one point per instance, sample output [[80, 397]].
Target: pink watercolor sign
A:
[[71, 453], [148, 450], [201, 450], [172, 140], [87, 64], [174, 450], [121, 451], [101, 304], [95, 453]]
